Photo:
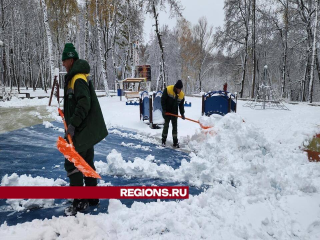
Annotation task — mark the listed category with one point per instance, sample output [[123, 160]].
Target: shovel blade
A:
[[204, 127], [313, 156], [71, 154], [313, 149]]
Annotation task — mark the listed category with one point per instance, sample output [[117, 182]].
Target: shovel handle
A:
[[65, 125], [204, 127], [171, 114]]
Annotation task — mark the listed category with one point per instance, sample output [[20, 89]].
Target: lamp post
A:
[[1, 68]]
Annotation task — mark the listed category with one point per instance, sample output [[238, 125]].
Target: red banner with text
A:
[[110, 192]]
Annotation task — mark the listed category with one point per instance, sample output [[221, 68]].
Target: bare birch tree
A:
[[102, 60], [175, 10], [49, 40], [313, 54], [203, 35]]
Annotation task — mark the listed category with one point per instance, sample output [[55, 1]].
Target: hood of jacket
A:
[[79, 66]]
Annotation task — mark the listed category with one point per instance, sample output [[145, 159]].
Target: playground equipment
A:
[[131, 87], [156, 118], [151, 109], [266, 97], [134, 102], [218, 102], [55, 87], [145, 106], [187, 104]]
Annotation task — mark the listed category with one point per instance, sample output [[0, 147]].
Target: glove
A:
[[183, 117], [70, 131]]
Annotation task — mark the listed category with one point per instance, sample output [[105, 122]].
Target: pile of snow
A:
[[53, 113], [116, 165], [232, 151], [24, 180], [139, 146], [207, 216], [140, 137], [50, 125]]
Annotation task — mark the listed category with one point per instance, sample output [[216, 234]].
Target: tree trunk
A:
[[246, 19], [86, 32], [253, 48], [303, 83], [3, 48], [162, 69], [113, 44], [49, 39], [317, 64], [103, 70], [285, 49], [244, 66], [313, 55]]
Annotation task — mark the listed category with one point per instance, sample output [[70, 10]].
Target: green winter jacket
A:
[[82, 108], [170, 101]]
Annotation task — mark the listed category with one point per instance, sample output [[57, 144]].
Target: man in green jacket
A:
[[172, 98], [84, 119]]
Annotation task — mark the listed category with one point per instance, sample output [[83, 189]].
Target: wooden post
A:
[[58, 93], [52, 90], [140, 106], [235, 109], [202, 110], [150, 112]]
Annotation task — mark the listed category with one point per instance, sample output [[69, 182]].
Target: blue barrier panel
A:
[[135, 103], [157, 101], [187, 104], [217, 102], [145, 105], [145, 108]]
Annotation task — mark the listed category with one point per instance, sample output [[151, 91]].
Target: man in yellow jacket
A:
[[172, 98]]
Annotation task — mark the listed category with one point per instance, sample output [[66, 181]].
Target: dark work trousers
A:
[[174, 121], [76, 177]]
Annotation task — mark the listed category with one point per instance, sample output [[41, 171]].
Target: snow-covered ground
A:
[[262, 185]]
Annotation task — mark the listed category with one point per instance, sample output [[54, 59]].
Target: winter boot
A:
[[78, 205], [93, 202], [163, 143], [70, 211], [176, 145]]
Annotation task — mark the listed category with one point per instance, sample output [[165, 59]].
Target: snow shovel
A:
[[313, 149], [71, 154], [204, 127]]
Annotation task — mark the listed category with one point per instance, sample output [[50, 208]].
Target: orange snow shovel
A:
[[71, 154], [171, 114]]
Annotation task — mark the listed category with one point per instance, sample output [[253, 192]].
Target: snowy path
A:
[[20, 117], [29, 156]]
